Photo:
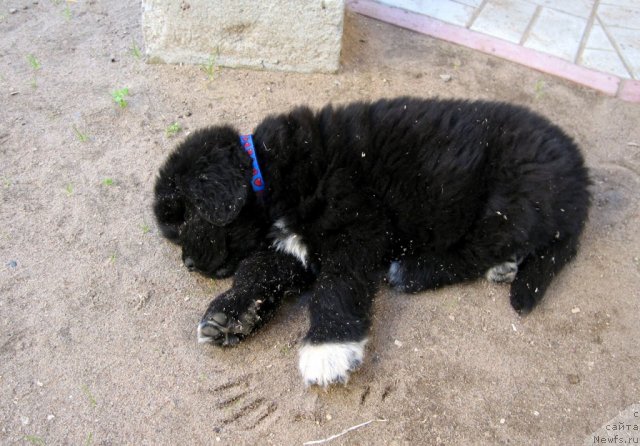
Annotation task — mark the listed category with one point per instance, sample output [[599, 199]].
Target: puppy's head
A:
[[203, 201]]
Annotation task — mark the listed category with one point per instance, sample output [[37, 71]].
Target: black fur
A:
[[445, 190]]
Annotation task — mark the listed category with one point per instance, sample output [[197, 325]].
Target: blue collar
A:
[[257, 182]]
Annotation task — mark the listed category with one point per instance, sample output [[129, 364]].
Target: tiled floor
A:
[[602, 35], [595, 43]]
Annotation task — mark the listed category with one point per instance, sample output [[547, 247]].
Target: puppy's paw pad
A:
[[502, 273], [221, 329], [216, 330], [330, 363]]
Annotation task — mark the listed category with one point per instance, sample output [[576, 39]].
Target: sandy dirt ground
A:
[[98, 316]]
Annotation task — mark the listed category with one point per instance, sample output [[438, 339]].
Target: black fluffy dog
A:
[[432, 192]]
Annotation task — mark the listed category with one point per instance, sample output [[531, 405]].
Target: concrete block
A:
[[300, 35]]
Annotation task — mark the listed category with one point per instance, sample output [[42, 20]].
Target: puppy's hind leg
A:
[[430, 271], [537, 270]]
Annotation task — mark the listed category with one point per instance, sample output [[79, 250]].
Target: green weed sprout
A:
[[33, 61], [119, 97], [88, 394], [34, 440], [36, 66], [173, 129], [540, 89], [135, 50], [211, 67], [82, 137], [107, 182]]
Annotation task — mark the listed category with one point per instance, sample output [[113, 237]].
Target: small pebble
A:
[[502, 420], [575, 310], [39, 383], [536, 413], [329, 417], [397, 343], [24, 420], [12, 264], [50, 417], [13, 11], [445, 77], [573, 379]]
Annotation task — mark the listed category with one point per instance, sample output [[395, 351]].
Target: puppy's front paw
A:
[[221, 327], [330, 363]]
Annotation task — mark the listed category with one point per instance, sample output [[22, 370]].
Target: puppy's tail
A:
[[537, 270]]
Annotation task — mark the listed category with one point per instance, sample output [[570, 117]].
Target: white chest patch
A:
[[330, 363], [290, 242]]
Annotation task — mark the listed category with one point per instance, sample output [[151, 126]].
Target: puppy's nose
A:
[[189, 263]]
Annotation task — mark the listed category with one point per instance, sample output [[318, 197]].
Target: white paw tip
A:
[[394, 275], [504, 272], [330, 363]]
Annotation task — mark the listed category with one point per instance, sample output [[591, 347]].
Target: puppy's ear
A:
[[168, 206], [218, 185]]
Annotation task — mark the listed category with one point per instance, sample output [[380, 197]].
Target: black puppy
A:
[[434, 192]]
